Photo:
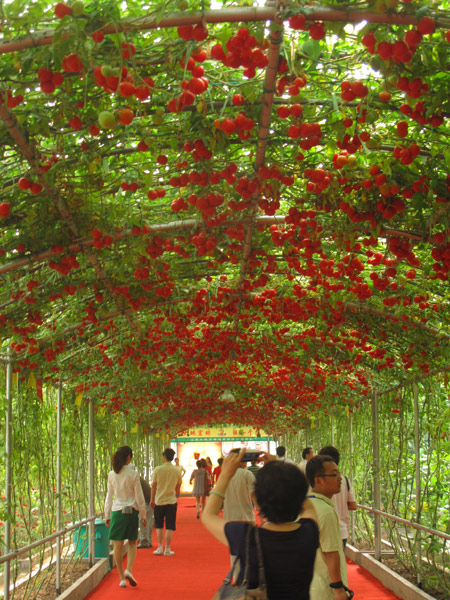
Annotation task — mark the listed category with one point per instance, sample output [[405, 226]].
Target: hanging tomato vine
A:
[[210, 197]]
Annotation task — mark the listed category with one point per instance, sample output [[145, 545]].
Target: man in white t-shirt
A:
[[345, 500], [239, 500]]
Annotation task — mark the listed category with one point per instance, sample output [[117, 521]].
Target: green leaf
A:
[[312, 49], [447, 158], [105, 166]]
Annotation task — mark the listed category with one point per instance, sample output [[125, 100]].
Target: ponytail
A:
[[119, 458]]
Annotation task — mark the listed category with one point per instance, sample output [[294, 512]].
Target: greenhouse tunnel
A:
[[224, 217]]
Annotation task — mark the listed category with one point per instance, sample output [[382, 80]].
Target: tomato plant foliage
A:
[[199, 198]]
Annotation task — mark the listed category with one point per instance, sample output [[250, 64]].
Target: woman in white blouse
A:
[[124, 505]]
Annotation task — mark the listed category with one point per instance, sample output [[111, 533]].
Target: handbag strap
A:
[[229, 576], [261, 575]]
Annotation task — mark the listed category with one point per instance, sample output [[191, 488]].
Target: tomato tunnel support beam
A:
[[8, 477], [59, 523], [91, 482], [225, 15], [376, 474], [275, 40]]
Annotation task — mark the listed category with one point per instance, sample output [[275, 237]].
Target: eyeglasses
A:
[[330, 475]]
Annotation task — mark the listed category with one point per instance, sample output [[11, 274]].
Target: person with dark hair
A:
[[124, 504], [166, 484], [200, 477], [307, 454], [330, 569], [288, 543], [281, 454], [217, 470], [344, 500], [209, 466]]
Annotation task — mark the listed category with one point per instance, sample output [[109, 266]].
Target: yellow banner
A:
[[31, 381], [226, 432]]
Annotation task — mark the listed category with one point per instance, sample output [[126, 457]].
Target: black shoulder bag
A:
[[240, 590]]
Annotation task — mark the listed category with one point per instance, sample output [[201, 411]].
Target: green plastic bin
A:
[[101, 544]]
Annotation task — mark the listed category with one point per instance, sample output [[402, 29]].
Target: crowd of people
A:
[[303, 516]]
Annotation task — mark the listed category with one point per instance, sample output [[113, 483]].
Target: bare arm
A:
[[334, 569], [210, 516], [108, 502], [152, 499], [352, 505]]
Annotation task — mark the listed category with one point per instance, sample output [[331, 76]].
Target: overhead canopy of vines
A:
[[203, 198]]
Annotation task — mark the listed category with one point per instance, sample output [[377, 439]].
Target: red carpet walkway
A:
[[196, 570]]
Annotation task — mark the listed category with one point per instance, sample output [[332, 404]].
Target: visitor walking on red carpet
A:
[[166, 483], [124, 505], [200, 477], [288, 544]]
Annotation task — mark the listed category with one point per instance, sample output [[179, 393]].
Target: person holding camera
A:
[[288, 543], [124, 504]]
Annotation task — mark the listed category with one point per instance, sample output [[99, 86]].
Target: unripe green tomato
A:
[[77, 8], [107, 120]]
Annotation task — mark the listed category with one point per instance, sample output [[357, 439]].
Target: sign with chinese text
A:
[[221, 434]]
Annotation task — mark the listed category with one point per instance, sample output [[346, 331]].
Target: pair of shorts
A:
[[124, 527], [167, 512]]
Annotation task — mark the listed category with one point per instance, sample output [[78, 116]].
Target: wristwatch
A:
[[336, 585]]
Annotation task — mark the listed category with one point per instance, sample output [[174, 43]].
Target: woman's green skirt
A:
[[124, 527]]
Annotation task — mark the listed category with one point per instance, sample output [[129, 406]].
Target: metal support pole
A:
[[306, 434], [8, 477], [147, 458], [138, 451], [350, 447], [376, 475], [332, 429], [110, 440], [91, 482], [58, 489], [418, 482]]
